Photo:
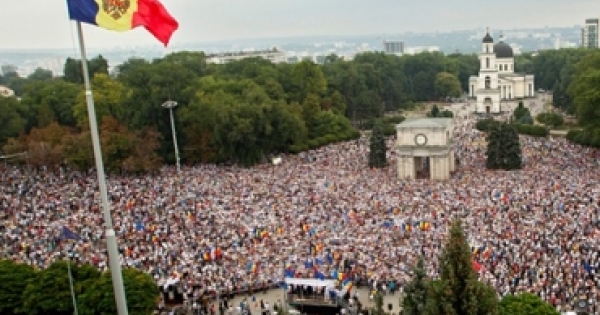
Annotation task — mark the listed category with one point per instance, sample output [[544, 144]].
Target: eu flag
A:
[[67, 234]]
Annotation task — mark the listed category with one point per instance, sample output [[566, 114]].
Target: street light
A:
[[170, 105]]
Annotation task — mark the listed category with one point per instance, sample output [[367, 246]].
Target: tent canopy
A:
[[310, 282]]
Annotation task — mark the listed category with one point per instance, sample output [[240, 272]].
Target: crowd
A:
[[218, 228]]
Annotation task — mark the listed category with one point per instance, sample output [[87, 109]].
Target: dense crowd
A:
[[217, 228]]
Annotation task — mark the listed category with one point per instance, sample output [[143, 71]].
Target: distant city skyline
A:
[[35, 24]]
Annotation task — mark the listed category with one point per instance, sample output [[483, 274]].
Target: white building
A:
[[273, 55], [589, 34], [497, 80], [393, 47], [6, 92]]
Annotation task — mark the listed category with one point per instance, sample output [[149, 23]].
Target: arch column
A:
[[406, 167], [452, 161], [440, 167]]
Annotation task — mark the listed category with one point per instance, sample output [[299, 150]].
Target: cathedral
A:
[[497, 80]]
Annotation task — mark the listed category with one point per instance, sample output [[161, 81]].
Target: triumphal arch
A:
[[425, 146]]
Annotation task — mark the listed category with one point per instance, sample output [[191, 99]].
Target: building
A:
[[393, 47], [589, 34], [6, 92], [7, 68], [424, 148], [273, 55], [497, 80]]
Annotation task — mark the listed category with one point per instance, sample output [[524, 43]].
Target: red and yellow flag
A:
[[124, 15]]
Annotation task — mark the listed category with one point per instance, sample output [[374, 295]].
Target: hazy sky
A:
[[45, 24]]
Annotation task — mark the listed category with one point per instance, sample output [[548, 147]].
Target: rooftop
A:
[[425, 123]]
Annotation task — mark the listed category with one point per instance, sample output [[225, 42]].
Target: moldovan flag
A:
[[124, 15]]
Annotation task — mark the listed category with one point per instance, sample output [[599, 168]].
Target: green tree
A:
[[378, 147], [415, 292], [40, 74], [74, 73], [378, 299], [307, 79], [14, 278], [447, 85], [458, 291], [503, 148], [434, 112], [11, 119], [141, 290], [550, 119], [521, 111], [108, 99], [525, 304], [583, 91], [50, 293]]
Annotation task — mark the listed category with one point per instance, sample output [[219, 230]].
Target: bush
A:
[[526, 119], [297, 148], [389, 129], [587, 137], [552, 120], [353, 135], [393, 119], [532, 130], [486, 125], [312, 144], [521, 111], [573, 134], [332, 138]]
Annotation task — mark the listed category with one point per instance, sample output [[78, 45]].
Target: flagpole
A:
[[111, 239], [71, 283]]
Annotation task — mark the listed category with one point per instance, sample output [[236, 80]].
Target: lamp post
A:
[[170, 105]]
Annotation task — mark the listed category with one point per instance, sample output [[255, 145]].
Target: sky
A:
[[28, 24]]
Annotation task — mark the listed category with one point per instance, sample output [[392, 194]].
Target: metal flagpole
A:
[[111, 239], [71, 284]]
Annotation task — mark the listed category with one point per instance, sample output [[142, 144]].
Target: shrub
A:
[[389, 129], [393, 119], [552, 120], [486, 125], [532, 130]]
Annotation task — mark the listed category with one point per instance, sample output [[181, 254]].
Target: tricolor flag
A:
[[67, 234], [124, 15]]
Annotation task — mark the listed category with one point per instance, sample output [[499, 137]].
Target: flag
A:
[[67, 234], [124, 15]]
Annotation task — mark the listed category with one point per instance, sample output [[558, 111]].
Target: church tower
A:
[[488, 94]]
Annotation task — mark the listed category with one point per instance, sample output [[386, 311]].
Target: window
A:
[[488, 83], [487, 63]]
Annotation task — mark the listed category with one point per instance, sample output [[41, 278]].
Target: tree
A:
[[458, 290], [378, 299], [503, 148], [141, 290], [583, 91], [434, 112], [50, 293], [108, 98], [447, 85], [378, 147], [11, 119], [525, 304], [415, 292], [550, 119], [40, 74], [74, 73], [521, 111], [14, 278]]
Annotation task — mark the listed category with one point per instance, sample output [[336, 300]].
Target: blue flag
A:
[[67, 234]]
